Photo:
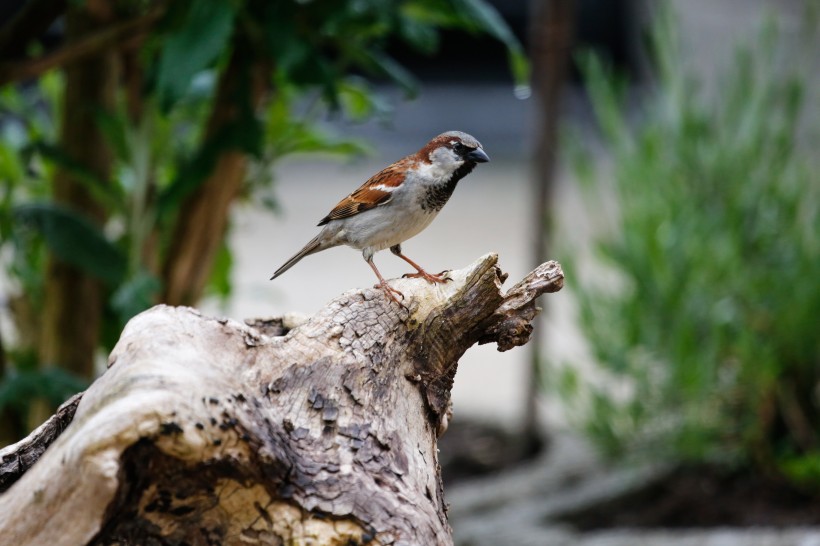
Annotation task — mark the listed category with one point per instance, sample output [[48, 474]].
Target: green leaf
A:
[[245, 134], [393, 70], [115, 128], [802, 469], [74, 240], [103, 192], [419, 34], [203, 34], [293, 137], [360, 103], [220, 282], [487, 19], [19, 388], [135, 295]]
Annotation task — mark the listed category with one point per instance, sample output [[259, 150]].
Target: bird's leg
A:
[[391, 292], [429, 277]]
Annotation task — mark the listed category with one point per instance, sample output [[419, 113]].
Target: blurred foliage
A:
[[707, 333], [322, 58]]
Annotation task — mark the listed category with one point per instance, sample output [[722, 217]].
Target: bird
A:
[[396, 204]]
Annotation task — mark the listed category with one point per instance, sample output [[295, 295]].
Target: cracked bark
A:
[[208, 431]]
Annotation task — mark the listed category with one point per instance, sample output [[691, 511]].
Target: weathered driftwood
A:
[[207, 431]]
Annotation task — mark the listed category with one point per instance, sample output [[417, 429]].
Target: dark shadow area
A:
[[473, 449], [702, 496], [607, 27]]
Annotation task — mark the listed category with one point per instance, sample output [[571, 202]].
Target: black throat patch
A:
[[437, 196]]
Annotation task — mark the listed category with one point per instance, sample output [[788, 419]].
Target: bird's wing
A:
[[376, 191]]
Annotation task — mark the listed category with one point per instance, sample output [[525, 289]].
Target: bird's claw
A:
[[429, 277], [391, 292]]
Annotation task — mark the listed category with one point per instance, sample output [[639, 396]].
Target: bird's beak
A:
[[478, 156]]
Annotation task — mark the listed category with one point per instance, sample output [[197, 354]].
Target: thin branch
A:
[[30, 22], [117, 35]]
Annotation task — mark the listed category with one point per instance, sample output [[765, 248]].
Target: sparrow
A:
[[396, 204]]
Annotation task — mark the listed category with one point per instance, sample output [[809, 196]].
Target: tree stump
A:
[[208, 431]]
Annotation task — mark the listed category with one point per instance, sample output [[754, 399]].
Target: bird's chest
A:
[[410, 210], [409, 219], [387, 225], [433, 198], [432, 188], [417, 207]]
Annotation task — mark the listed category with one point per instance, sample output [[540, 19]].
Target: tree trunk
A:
[[73, 300], [203, 217], [207, 431], [551, 36]]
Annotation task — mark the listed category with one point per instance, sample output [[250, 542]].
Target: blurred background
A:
[[664, 152]]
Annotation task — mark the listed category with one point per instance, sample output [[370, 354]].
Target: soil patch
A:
[[703, 497]]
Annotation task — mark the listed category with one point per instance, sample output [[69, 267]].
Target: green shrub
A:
[[713, 325]]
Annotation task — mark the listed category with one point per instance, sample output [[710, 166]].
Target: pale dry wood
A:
[[314, 431]]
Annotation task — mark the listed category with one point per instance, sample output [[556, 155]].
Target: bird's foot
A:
[[390, 292], [429, 277]]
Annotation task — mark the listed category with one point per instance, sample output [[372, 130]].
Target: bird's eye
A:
[[459, 148]]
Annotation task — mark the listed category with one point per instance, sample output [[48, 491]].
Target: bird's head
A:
[[453, 149]]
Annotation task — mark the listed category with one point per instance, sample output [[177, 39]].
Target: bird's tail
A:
[[313, 246]]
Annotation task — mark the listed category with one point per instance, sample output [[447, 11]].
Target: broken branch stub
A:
[[208, 431]]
